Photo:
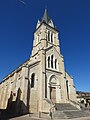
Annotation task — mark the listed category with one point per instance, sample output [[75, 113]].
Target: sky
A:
[[18, 20]]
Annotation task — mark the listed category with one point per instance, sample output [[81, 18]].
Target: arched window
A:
[[51, 61], [51, 37], [48, 35], [32, 80], [55, 63], [67, 86]]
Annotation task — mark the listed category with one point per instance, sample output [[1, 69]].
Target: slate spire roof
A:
[[45, 17]]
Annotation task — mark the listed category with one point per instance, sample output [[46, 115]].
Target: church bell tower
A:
[[46, 34]]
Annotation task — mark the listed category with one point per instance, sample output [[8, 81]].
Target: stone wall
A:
[[13, 91]]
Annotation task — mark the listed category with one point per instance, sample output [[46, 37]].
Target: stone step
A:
[[70, 114], [67, 111], [65, 106]]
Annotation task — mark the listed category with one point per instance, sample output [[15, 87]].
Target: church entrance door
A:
[[53, 94]]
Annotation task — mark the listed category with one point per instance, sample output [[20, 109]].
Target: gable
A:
[[52, 50]]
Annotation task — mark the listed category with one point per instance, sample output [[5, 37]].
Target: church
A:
[[41, 81]]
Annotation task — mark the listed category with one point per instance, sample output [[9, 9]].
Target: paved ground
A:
[[26, 117]]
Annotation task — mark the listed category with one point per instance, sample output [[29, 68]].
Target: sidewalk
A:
[[26, 117]]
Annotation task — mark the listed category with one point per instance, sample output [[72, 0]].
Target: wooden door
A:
[[53, 94]]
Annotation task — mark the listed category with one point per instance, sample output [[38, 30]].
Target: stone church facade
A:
[[42, 79]]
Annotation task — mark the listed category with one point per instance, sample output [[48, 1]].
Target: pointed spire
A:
[[45, 17]]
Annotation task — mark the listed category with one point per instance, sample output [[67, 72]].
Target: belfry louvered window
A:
[[51, 37], [48, 35]]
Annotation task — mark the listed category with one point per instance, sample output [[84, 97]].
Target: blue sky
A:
[[72, 19]]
